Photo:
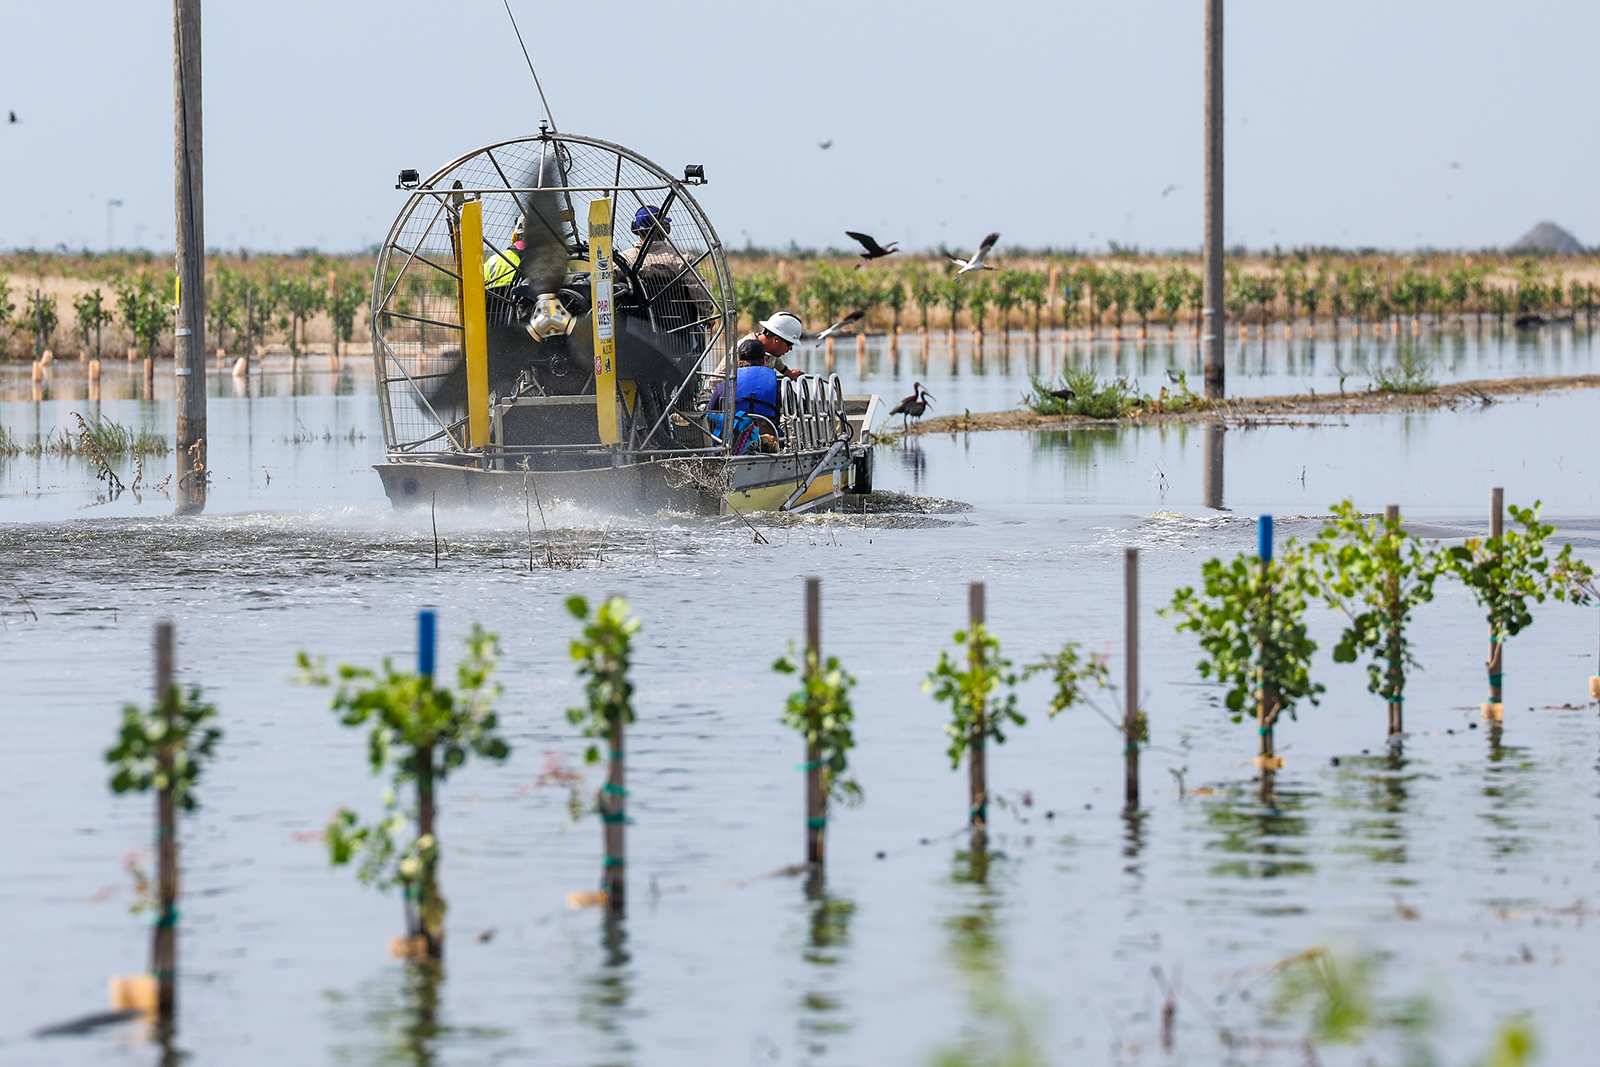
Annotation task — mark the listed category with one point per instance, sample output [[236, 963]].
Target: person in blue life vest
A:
[[755, 393]]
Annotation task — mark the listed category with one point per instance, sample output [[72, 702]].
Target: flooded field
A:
[[1462, 862]]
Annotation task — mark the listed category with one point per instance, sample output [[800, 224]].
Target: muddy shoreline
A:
[[1255, 409]]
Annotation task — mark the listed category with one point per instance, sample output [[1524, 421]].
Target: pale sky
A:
[[1057, 122]]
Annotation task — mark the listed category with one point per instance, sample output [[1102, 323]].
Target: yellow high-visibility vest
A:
[[500, 269]]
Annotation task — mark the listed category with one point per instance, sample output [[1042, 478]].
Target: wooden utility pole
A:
[[816, 801], [1130, 715], [977, 766], [1391, 519], [164, 934], [1214, 330], [1494, 709], [189, 348]]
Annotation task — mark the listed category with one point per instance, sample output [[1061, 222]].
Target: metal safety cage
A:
[[416, 317]]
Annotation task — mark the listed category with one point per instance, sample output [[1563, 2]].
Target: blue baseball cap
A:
[[642, 219]]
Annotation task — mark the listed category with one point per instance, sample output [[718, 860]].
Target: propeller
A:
[[657, 341]]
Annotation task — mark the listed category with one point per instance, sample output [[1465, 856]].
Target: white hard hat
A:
[[784, 324]]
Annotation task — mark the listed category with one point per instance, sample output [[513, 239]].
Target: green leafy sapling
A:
[[1072, 673], [603, 652], [982, 694], [821, 712], [1509, 573], [1250, 619], [1377, 575], [189, 729], [419, 732]]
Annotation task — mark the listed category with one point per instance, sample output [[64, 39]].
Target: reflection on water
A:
[[1260, 839], [1211, 492], [394, 1018], [1376, 790], [825, 1018], [1508, 792], [606, 994]]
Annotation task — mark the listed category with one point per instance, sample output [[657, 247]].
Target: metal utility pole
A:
[[1215, 328], [189, 347]]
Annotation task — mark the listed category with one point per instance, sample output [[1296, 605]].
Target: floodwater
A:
[[1464, 862]]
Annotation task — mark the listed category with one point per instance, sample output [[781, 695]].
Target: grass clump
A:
[[114, 440], [1080, 392], [1410, 374]]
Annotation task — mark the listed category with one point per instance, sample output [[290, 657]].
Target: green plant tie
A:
[[613, 817], [1495, 679], [817, 823], [616, 755], [614, 789], [167, 918], [615, 861], [809, 765], [163, 973], [1494, 639]]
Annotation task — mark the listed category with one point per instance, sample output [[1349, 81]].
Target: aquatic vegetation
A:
[[821, 712], [1410, 374], [1337, 994], [1377, 575], [418, 732], [1089, 397]]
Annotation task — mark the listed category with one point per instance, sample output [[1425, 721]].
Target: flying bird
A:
[[825, 145], [1168, 191], [873, 249], [978, 257], [854, 316], [14, 119], [1453, 166], [912, 406]]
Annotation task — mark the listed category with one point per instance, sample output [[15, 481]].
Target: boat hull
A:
[[707, 486]]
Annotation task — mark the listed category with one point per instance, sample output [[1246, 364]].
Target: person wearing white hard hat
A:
[[777, 334]]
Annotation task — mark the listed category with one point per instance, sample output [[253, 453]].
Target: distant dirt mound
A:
[[1549, 238]]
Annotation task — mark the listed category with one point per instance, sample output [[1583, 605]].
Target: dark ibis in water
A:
[[912, 406]]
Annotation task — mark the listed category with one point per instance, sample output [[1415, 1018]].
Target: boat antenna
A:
[[536, 85]]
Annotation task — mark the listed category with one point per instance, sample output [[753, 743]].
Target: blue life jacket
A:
[[756, 391]]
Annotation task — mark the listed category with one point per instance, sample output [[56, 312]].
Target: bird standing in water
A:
[[912, 406]]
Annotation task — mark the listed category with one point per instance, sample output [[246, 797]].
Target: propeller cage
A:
[[671, 289]]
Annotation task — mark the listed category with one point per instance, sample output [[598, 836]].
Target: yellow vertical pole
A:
[[605, 341], [474, 323]]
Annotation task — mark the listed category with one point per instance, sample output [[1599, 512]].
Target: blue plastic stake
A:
[[1264, 538], [426, 628]]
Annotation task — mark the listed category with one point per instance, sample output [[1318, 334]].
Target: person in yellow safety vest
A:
[[500, 269]]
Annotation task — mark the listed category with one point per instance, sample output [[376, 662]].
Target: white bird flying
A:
[[978, 257], [854, 316]]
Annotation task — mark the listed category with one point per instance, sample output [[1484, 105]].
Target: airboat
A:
[[585, 374]]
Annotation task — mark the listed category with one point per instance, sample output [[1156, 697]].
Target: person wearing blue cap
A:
[[652, 230]]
